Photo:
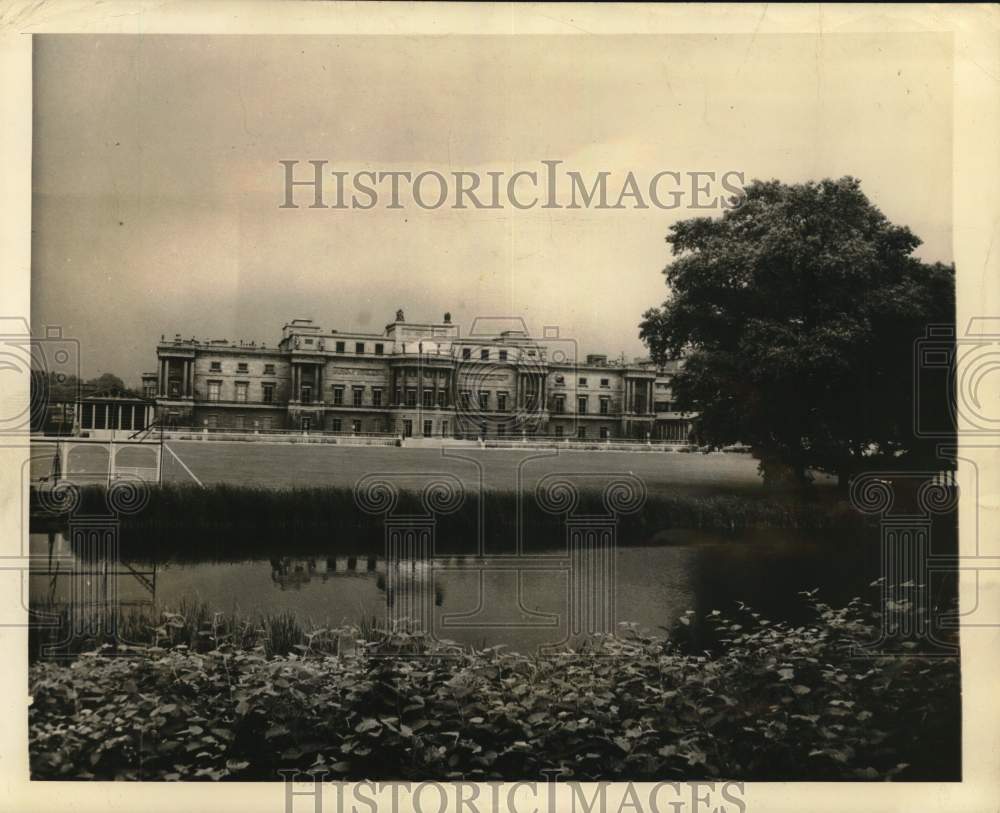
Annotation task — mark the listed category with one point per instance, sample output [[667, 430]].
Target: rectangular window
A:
[[501, 401], [466, 353], [112, 416], [581, 431], [268, 369], [407, 429], [339, 347], [355, 426], [484, 401], [428, 401], [501, 431], [358, 396], [241, 367], [396, 400], [559, 431], [581, 405], [213, 421], [307, 395], [583, 382], [336, 424], [604, 406], [241, 391], [376, 398], [238, 422], [560, 404], [428, 428], [149, 390], [140, 418], [338, 396], [87, 416], [216, 366], [604, 433], [605, 382], [267, 393], [466, 400], [359, 347], [267, 424], [444, 429], [214, 390], [484, 355], [503, 355], [411, 398], [442, 398], [309, 341], [379, 349]]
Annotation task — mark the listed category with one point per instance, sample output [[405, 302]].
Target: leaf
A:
[[800, 689]]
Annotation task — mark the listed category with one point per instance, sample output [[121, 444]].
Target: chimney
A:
[[447, 318]]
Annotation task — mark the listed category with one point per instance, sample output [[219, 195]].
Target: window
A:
[[241, 391], [560, 404], [484, 401], [583, 382], [605, 382], [379, 349], [336, 425], [356, 426], [306, 423], [428, 428], [307, 395], [213, 422], [358, 396], [604, 406], [237, 421], [604, 433], [501, 401], [503, 355], [268, 369], [266, 424], [338, 396], [484, 355], [376, 397], [411, 397], [241, 367], [444, 428], [267, 393], [466, 400], [442, 398], [399, 394], [309, 341], [407, 429], [501, 431], [466, 353], [559, 431], [339, 347], [216, 367], [149, 390], [214, 390], [581, 432], [359, 347], [581, 405], [428, 399]]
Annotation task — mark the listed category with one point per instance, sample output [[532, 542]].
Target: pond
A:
[[524, 603]]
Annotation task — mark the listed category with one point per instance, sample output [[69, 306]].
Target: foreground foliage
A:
[[775, 702]]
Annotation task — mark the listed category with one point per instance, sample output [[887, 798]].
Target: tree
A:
[[796, 314], [105, 382]]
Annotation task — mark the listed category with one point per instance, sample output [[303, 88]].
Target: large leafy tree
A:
[[797, 314]]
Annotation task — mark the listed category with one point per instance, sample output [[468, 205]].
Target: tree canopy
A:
[[796, 314]]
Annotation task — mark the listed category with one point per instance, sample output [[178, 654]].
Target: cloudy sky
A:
[[157, 184]]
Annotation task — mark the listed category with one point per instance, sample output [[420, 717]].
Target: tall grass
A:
[[226, 522]]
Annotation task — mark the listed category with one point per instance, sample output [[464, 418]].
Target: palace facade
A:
[[414, 379]]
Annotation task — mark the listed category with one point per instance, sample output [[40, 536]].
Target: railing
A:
[[282, 436]]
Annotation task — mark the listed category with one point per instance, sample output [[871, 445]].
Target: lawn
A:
[[282, 466]]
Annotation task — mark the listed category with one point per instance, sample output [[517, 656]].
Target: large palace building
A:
[[414, 379]]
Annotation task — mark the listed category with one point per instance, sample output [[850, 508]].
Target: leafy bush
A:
[[776, 702]]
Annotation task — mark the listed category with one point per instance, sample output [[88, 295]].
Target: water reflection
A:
[[521, 603]]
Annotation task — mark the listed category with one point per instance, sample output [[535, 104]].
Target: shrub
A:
[[775, 703]]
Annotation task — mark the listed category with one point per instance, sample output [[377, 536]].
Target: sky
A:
[[157, 185]]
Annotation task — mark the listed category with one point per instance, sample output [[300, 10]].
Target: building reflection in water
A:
[[291, 573]]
